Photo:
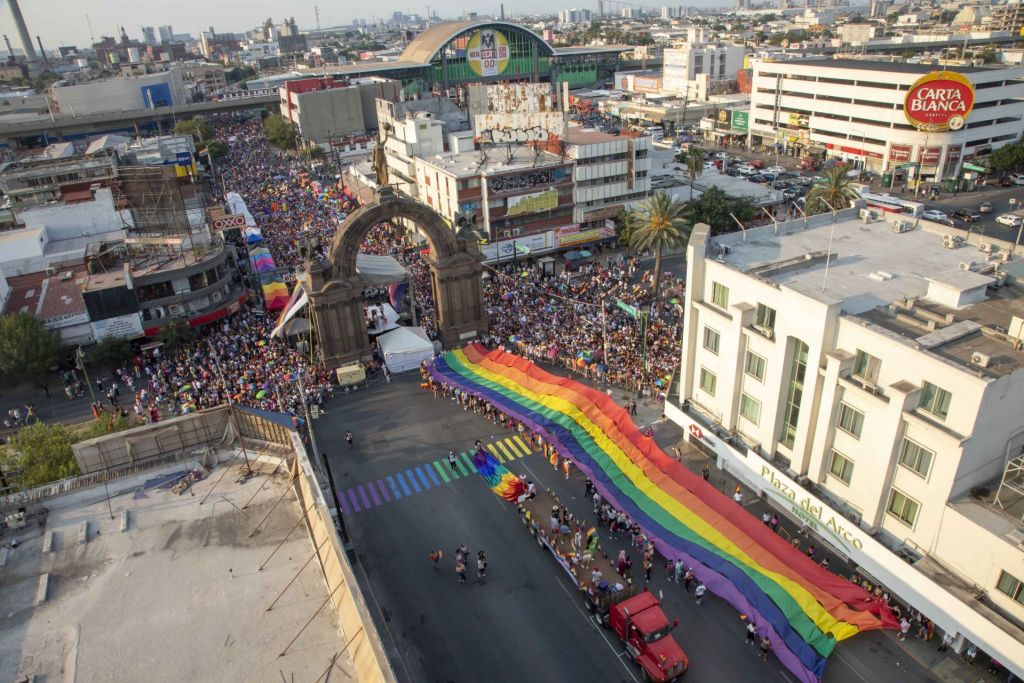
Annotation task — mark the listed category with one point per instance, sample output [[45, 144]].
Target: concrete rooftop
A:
[[469, 164], [178, 596]]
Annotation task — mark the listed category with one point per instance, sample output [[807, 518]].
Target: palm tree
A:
[[660, 224], [834, 191], [694, 166]]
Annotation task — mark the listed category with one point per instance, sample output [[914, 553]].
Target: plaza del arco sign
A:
[[939, 101]]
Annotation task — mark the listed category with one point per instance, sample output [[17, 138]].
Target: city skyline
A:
[[67, 22]]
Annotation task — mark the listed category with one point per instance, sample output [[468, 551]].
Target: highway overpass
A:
[[65, 127]]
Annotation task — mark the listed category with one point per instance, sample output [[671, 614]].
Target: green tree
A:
[[1007, 158], [625, 225], [835, 190], [660, 226], [41, 453], [111, 351], [280, 132], [27, 348], [694, 160], [239, 73], [714, 207], [216, 147], [196, 126], [176, 334]]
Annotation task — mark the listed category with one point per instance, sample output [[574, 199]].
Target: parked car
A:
[[746, 169], [1005, 182], [722, 155], [709, 165], [935, 215], [967, 215], [756, 178], [1011, 219], [986, 207], [757, 163], [776, 169]]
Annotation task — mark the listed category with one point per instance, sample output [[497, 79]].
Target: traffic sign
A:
[[978, 169], [631, 310]]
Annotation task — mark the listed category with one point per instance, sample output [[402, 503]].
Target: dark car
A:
[[967, 215]]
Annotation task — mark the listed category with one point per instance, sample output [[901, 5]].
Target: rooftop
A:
[[889, 279], [175, 594], [469, 164], [891, 67], [578, 135]]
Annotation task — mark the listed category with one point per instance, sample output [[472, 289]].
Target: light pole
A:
[[831, 235], [80, 362]]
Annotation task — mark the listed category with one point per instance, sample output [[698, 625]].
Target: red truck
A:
[[647, 633]]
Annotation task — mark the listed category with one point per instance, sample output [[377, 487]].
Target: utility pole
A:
[[231, 407], [80, 363]]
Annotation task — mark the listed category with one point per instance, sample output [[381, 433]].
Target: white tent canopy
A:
[[380, 270], [387, 318], [405, 348]]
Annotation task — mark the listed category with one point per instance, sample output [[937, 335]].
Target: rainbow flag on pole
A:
[[298, 299], [802, 608]]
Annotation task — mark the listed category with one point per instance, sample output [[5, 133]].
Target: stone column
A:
[[337, 307], [458, 295]]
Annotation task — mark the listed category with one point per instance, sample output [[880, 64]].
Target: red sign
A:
[[899, 153], [939, 101], [953, 154], [930, 155], [696, 432], [861, 152], [234, 220]]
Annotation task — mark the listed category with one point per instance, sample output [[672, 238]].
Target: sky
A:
[[63, 22]]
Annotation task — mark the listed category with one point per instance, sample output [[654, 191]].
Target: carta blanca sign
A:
[[939, 101]]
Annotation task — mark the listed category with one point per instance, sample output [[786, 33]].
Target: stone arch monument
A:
[[336, 290]]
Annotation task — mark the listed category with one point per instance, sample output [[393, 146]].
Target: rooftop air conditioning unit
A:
[[985, 247], [1016, 536], [51, 270], [66, 275], [901, 225], [982, 360], [966, 265], [768, 332]]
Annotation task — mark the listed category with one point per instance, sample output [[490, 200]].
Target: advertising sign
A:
[[741, 121], [929, 155], [647, 84], [233, 220], [122, 327], [725, 119], [529, 243], [532, 203], [899, 153], [183, 159], [568, 239], [939, 101], [487, 52]]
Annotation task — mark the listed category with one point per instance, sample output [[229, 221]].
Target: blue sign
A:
[[156, 95], [183, 159]]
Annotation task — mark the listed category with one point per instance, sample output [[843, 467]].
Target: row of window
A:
[[934, 399]]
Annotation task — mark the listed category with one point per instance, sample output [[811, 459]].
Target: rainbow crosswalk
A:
[[425, 477]]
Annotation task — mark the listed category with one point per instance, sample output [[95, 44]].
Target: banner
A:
[[297, 301], [532, 203], [741, 121], [487, 53]]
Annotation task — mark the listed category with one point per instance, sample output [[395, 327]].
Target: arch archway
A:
[[335, 288]]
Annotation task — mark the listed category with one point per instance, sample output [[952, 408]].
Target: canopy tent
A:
[[237, 205], [405, 348], [387, 318], [380, 270]]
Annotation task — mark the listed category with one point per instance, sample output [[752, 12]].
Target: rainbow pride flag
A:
[[502, 482], [275, 292], [802, 608], [262, 261]]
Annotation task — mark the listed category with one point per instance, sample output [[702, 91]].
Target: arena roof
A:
[[424, 46]]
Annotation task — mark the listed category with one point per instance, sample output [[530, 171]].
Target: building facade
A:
[[853, 110], [323, 108], [877, 368], [609, 173], [161, 89], [682, 66]]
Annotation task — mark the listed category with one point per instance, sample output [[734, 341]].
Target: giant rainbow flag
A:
[[502, 482], [802, 608]]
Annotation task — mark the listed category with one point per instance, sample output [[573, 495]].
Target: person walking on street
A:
[[451, 460], [435, 557], [947, 642], [738, 496], [589, 488], [706, 472], [460, 569], [632, 407], [348, 437], [751, 633], [904, 628], [766, 519], [766, 647], [774, 523], [699, 592], [481, 565], [687, 579], [678, 570]]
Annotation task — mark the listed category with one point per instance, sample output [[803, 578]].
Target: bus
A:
[[888, 202]]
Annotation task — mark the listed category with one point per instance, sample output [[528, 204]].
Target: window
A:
[[711, 339], [841, 467], [795, 393], [708, 381], [851, 420], [935, 400], [754, 366], [1011, 586], [719, 295], [765, 317], [903, 507], [916, 457], [865, 366], [750, 408]]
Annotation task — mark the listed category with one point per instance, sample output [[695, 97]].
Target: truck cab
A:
[[647, 634]]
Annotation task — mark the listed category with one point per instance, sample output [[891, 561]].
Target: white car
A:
[[775, 169], [746, 170], [1011, 219], [709, 165], [722, 155], [933, 215]]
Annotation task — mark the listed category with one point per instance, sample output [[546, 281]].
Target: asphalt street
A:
[[525, 622]]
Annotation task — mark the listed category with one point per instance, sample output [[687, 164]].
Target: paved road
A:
[[525, 621]]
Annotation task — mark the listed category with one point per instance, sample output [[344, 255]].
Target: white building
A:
[[574, 16], [161, 89], [859, 33], [684, 66], [609, 173], [868, 378], [853, 110]]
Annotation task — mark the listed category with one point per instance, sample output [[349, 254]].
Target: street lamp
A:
[[831, 235]]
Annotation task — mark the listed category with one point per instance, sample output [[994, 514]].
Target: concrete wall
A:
[[70, 221], [116, 94], [337, 111]]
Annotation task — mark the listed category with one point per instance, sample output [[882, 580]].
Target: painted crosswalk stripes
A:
[[424, 477]]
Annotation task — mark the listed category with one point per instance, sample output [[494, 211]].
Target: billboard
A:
[[725, 119], [939, 101], [505, 248], [540, 126], [929, 156], [741, 121], [532, 203], [899, 153], [487, 52]]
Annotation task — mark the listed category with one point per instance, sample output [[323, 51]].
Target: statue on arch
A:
[[379, 158]]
